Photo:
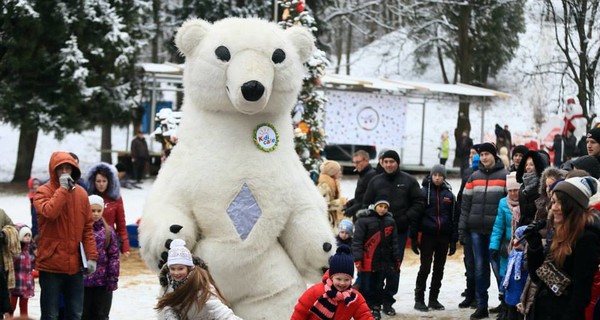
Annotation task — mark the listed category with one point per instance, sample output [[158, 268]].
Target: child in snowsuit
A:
[[189, 291], [23, 264], [515, 277], [99, 285], [439, 233], [345, 232], [375, 250], [334, 297]]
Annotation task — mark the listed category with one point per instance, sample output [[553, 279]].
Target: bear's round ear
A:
[[190, 34], [304, 41]]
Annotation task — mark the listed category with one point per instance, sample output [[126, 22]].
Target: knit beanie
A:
[[23, 232], [95, 199], [330, 167], [391, 154], [579, 188], [594, 134], [381, 201], [489, 147], [438, 168], [520, 149], [589, 164], [346, 226], [511, 181], [342, 262], [475, 162], [179, 254]]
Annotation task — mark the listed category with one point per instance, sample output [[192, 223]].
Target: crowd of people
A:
[[533, 225]]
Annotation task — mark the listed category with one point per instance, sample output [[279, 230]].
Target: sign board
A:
[[364, 118]]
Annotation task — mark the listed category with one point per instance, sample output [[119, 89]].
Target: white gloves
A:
[[91, 266], [66, 181]]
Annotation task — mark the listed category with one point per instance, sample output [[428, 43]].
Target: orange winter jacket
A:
[[65, 220]]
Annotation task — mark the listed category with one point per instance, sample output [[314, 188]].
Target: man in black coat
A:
[[360, 159], [406, 205]]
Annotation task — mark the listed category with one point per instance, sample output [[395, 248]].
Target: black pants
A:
[[138, 168], [469, 262], [433, 247], [4, 294], [371, 287], [96, 303]]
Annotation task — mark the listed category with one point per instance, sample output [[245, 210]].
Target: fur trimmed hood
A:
[[539, 161], [550, 172], [114, 188]]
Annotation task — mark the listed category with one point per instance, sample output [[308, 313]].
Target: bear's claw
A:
[[168, 243]]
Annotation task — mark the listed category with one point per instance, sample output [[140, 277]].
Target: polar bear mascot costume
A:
[[234, 188]]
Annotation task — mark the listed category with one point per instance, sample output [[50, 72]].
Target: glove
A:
[[397, 265], [494, 254], [414, 245], [461, 238], [532, 236], [452, 248], [91, 266], [66, 181]]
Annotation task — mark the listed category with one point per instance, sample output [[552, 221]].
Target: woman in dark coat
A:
[[574, 251], [529, 173]]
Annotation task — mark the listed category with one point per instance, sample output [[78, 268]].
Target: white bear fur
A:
[[263, 275]]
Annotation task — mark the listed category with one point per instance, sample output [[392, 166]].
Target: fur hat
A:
[[519, 149], [179, 254], [539, 161], [330, 167], [95, 199], [342, 262], [511, 181], [23, 232], [589, 164], [381, 201], [487, 147], [594, 134], [391, 154], [438, 168], [346, 226], [579, 188]]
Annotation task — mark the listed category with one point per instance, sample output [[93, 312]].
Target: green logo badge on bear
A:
[[266, 137]]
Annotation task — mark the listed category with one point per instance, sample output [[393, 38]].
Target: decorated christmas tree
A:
[[309, 136]]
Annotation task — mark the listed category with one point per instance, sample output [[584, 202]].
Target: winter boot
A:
[[500, 308], [376, 313], [434, 304], [480, 313], [469, 302], [420, 299], [389, 310]]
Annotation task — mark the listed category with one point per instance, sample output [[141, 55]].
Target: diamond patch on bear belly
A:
[[244, 212]]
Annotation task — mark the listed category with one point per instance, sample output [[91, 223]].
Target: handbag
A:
[[555, 279]]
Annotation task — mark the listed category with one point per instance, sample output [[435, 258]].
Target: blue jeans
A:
[[71, 287], [481, 253], [392, 278]]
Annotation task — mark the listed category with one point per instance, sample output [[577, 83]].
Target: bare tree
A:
[[578, 37]]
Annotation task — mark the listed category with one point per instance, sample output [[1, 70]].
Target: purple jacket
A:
[[107, 265]]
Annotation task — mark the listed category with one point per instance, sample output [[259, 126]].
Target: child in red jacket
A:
[[334, 298]]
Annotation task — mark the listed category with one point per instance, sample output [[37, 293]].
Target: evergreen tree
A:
[[309, 137]]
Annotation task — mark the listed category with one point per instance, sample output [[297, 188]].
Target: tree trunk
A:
[[441, 61], [157, 31], [348, 47], [106, 144], [466, 74], [339, 41], [27, 143]]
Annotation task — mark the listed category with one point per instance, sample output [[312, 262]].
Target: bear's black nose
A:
[[252, 90]]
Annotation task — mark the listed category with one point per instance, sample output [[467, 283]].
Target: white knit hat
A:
[[579, 188], [511, 181], [95, 199], [179, 254], [23, 232]]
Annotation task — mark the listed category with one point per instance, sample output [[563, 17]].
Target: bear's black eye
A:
[[278, 56], [223, 53]]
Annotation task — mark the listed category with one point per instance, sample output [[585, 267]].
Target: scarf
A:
[[531, 182], [515, 262], [326, 305], [513, 206], [12, 248], [177, 283]]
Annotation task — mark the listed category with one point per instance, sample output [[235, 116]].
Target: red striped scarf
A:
[[326, 305]]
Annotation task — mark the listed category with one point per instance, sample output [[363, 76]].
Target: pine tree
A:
[[309, 137]]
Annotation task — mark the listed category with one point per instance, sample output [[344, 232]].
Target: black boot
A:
[[420, 299], [434, 304], [469, 302], [480, 313], [376, 313]]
